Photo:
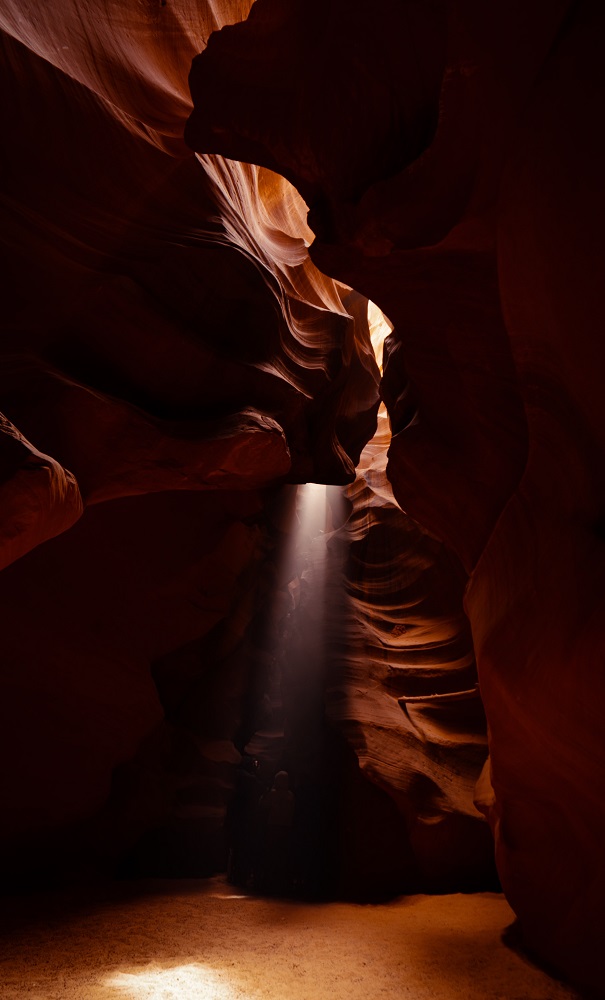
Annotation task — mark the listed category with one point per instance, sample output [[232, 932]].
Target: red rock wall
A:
[[476, 226], [403, 676], [169, 357], [164, 331], [536, 595]]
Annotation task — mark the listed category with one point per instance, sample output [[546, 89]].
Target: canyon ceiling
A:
[[198, 201]]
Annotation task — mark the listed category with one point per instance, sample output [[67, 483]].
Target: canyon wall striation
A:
[[181, 345]]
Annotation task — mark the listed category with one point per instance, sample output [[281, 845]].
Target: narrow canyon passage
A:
[[208, 210], [199, 940]]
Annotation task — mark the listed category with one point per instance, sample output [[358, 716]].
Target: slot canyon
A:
[[302, 470]]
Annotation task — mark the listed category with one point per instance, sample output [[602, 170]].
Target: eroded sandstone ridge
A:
[[173, 356], [476, 227]]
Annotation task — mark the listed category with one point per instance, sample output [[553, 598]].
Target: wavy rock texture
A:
[[201, 330], [404, 682], [164, 331], [39, 498], [477, 227]]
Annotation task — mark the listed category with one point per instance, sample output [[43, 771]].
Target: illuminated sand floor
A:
[[186, 940]]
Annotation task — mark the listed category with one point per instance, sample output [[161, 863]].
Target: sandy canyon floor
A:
[[202, 940]]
